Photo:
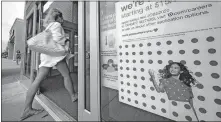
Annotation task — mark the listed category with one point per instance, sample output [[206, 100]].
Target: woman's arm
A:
[[159, 88]]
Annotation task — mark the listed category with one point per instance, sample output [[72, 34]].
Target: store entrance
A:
[[53, 86]]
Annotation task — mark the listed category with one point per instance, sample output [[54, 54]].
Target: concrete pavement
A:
[[13, 95], [10, 71]]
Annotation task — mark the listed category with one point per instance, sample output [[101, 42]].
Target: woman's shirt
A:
[[57, 31], [58, 36], [176, 89]]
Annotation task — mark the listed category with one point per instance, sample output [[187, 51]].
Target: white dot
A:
[[186, 99], [178, 97], [174, 92], [178, 89], [182, 94], [169, 88]]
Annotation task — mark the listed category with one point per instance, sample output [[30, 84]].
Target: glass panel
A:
[[164, 52], [29, 30], [111, 108], [87, 55], [56, 91]]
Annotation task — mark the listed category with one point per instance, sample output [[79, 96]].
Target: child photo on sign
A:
[[110, 66], [176, 81]]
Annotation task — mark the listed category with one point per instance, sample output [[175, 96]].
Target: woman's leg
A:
[[194, 111], [63, 69], [17, 61], [43, 71]]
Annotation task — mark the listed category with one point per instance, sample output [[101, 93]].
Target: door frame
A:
[[94, 113]]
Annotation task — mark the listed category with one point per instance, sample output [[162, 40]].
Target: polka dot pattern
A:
[[175, 114], [198, 74], [158, 43], [212, 51], [150, 61], [160, 61], [163, 110], [152, 97], [149, 53], [201, 98], [182, 51], [200, 86], [183, 62], [169, 42], [169, 52], [143, 87], [188, 118], [151, 88], [196, 51], [159, 52], [217, 101], [202, 110], [194, 40], [162, 100], [187, 106], [181, 41], [133, 45], [218, 114], [126, 46], [197, 62], [217, 88], [174, 103], [144, 104], [153, 107], [144, 96], [210, 39], [213, 63], [136, 88], [215, 75]]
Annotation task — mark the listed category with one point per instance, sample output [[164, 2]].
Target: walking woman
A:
[[18, 56], [52, 22]]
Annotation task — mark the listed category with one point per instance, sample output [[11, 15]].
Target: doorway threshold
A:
[[55, 111]]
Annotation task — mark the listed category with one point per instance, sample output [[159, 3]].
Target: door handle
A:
[[87, 55]]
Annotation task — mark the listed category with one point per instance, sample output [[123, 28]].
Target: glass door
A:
[[88, 75]]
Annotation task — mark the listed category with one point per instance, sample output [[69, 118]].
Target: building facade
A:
[[118, 44], [16, 39]]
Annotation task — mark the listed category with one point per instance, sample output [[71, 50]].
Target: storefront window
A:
[[87, 54], [27, 61], [156, 61]]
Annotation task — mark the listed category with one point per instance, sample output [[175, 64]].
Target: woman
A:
[[18, 56], [177, 82], [52, 22]]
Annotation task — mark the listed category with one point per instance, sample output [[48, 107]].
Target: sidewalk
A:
[[10, 71], [13, 97]]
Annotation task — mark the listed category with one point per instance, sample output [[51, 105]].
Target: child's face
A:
[[110, 63], [174, 69]]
